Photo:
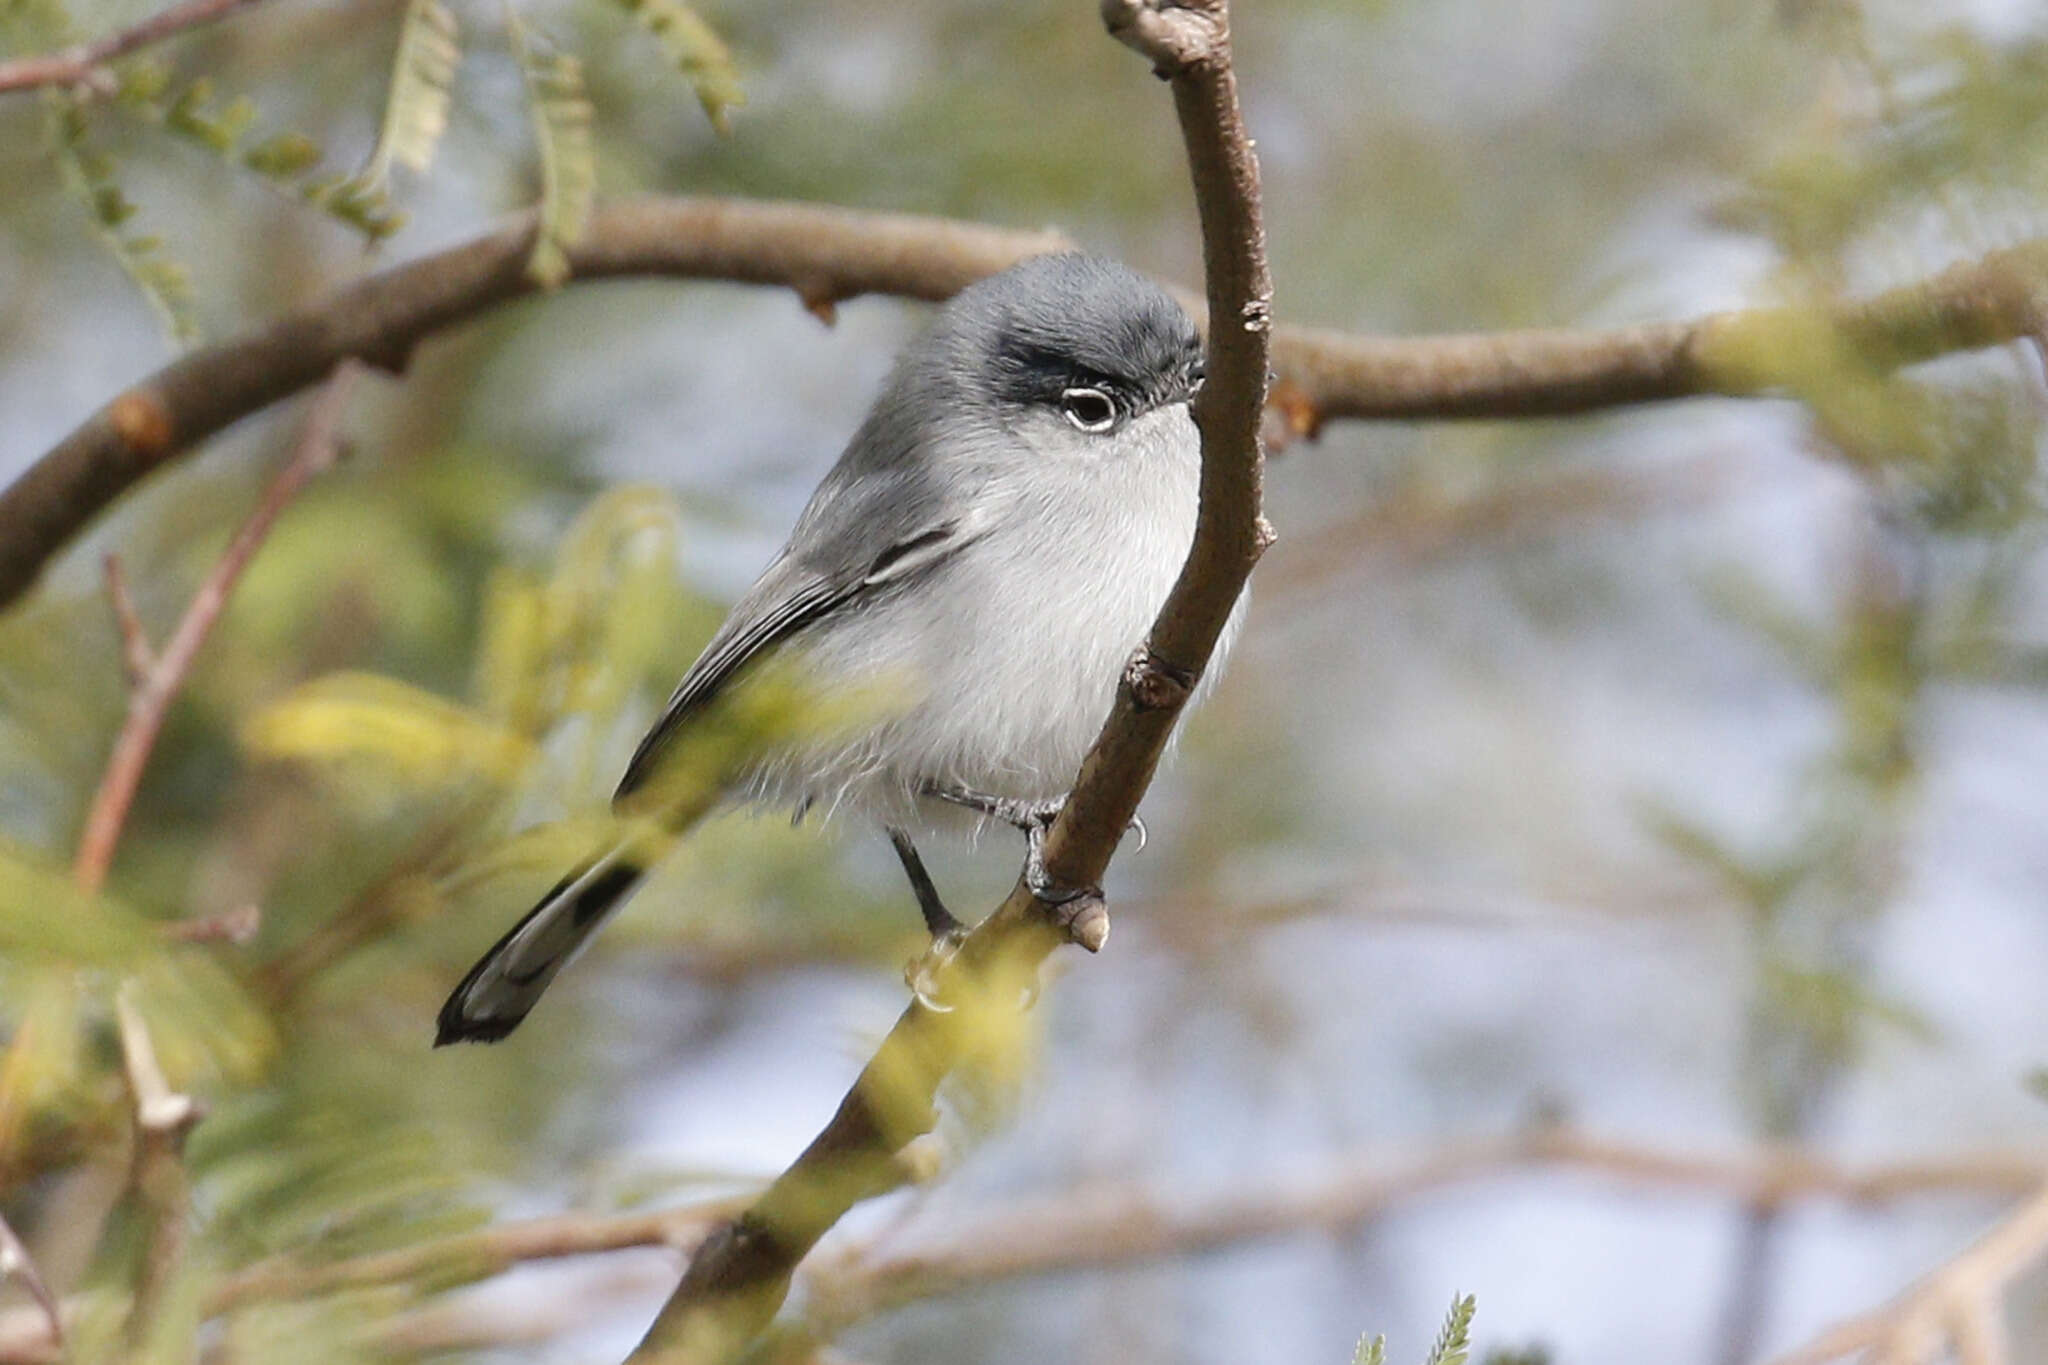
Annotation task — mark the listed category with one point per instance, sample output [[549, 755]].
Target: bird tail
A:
[[508, 980]]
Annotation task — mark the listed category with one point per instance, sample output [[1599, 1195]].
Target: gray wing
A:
[[859, 536]]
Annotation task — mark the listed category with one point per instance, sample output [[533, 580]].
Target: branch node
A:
[[921, 1160], [137, 655], [238, 926], [1085, 920], [1156, 684], [1301, 417], [142, 423], [819, 298], [1179, 36]]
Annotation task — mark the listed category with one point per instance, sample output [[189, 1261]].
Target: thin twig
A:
[[1961, 1305], [82, 65], [136, 651], [472, 1256], [17, 1264], [163, 1117], [150, 700], [1128, 1222], [1125, 1223], [824, 252], [237, 926]]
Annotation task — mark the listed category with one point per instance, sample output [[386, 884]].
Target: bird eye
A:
[[1089, 410]]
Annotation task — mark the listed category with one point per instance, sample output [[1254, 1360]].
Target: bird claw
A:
[[922, 972], [1079, 910]]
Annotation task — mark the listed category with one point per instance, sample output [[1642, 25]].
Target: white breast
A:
[[1009, 657]]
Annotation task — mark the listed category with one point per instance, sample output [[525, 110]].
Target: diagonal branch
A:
[[164, 672], [82, 65], [1959, 1306], [826, 254], [738, 1279]]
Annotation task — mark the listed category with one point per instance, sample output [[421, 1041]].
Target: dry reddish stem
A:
[[149, 698], [82, 65]]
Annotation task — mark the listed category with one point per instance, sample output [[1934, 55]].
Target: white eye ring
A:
[[1090, 410]]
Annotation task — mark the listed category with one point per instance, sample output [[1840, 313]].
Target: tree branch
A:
[[1126, 1222], [82, 65], [827, 254], [1960, 1305], [739, 1277], [164, 672], [1121, 1224], [472, 1256]]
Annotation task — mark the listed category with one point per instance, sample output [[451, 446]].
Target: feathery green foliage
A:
[[696, 50], [89, 172], [399, 730], [284, 160], [1453, 1345], [561, 116], [421, 89], [1454, 1341]]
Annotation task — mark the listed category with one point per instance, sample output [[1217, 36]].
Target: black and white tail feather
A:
[[509, 979]]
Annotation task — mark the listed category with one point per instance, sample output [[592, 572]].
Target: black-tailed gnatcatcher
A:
[[987, 553]]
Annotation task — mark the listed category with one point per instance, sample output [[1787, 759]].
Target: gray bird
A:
[[987, 553]]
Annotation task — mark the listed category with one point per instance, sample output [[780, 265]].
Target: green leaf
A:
[[89, 174], [347, 718], [1831, 1005], [697, 51], [1371, 1351], [613, 592], [561, 116], [1758, 883], [45, 917], [281, 159], [50, 1077], [283, 156], [221, 130], [1454, 1342], [365, 208], [422, 84]]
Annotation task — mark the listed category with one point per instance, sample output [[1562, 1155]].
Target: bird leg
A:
[[947, 931], [937, 918]]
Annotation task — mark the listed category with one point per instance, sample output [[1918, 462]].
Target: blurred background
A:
[[1667, 780]]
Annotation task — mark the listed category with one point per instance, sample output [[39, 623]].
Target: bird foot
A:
[[922, 972], [1079, 911]]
